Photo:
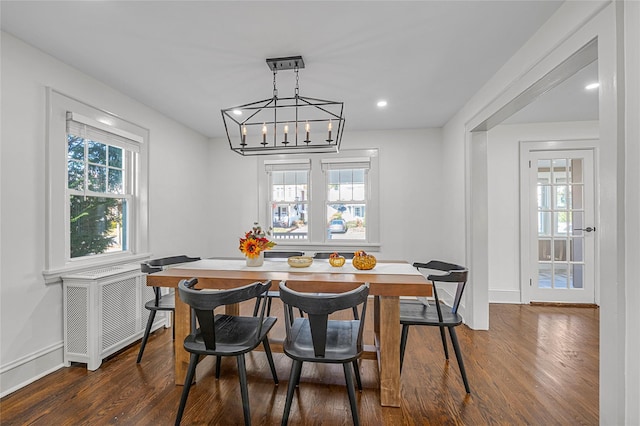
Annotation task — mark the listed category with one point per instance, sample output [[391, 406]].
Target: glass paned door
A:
[[562, 259]]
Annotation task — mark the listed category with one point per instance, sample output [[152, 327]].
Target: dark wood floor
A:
[[537, 365]]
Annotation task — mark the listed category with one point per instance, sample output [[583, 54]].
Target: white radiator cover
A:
[[104, 312]]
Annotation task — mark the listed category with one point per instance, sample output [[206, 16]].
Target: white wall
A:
[[504, 197], [632, 211], [411, 193], [31, 312]]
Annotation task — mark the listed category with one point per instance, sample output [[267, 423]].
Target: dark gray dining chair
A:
[[160, 302], [321, 340], [225, 335], [418, 312]]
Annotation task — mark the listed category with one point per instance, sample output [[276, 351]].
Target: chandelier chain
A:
[[297, 92], [275, 89]]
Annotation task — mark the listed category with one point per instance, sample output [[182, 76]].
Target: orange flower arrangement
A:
[[255, 241]]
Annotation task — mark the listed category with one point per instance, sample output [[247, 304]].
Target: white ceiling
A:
[[189, 59]]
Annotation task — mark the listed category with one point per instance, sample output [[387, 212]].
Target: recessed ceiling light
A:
[[592, 86], [382, 104], [237, 112]]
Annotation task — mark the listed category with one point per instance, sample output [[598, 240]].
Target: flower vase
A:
[[256, 261]]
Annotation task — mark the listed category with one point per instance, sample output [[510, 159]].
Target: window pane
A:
[[561, 197], [560, 275], [115, 181], [97, 178], [346, 222], [577, 249], [76, 147], [98, 225], [577, 276], [544, 223], [75, 175], [115, 157], [289, 221], [97, 152]]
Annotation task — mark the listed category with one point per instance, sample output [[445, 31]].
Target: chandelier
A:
[[285, 125]]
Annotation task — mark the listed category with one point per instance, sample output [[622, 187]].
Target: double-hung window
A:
[[97, 188], [100, 170], [321, 201]]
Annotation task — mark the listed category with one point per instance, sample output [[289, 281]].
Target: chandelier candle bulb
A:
[[306, 128], [286, 132], [329, 127], [244, 135], [264, 134]]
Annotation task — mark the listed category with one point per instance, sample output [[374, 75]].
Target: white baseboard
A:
[[27, 369], [504, 296]]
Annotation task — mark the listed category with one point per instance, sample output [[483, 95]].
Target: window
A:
[[326, 200], [100, 167], [289, 199], [96, 188]]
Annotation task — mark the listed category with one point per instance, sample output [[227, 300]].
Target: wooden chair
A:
[[225, 335], [271, 294], [417, 312], [318, 339], [160, 302]]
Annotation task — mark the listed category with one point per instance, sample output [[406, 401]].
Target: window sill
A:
[[53, 276], [315, 247]]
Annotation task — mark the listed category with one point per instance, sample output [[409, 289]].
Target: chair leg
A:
[[294, 378], [352, 394], [403, 343], [147, 331], [269, 300], [173, 325], [218, 362], [193, 362], [356, 370], [444, 342], [242, 372], [267, 350], [456, 348]]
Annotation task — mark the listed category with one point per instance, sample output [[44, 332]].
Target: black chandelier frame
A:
[[286, 125]]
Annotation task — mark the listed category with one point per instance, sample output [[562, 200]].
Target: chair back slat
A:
[[318, 308], [205, 302], [455, 274]]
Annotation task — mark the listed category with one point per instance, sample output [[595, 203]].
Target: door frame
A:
[[526, 147]]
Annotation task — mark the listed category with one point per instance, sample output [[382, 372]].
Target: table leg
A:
[[182, 323], [387, 330]]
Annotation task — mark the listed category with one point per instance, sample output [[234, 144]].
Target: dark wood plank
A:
[[537, 365]]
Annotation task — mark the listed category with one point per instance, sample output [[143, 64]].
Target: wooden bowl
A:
[[300, 261]]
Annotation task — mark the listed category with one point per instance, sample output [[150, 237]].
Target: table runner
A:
[[318, 266]]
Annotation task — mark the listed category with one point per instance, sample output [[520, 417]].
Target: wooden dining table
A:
[[387, 280]]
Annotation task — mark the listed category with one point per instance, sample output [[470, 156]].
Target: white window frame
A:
[[57, 258], [317, 199]]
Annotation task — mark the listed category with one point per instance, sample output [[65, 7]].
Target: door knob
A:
[[587, 229]]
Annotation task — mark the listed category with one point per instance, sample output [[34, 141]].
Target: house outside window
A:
[[321, 200]]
